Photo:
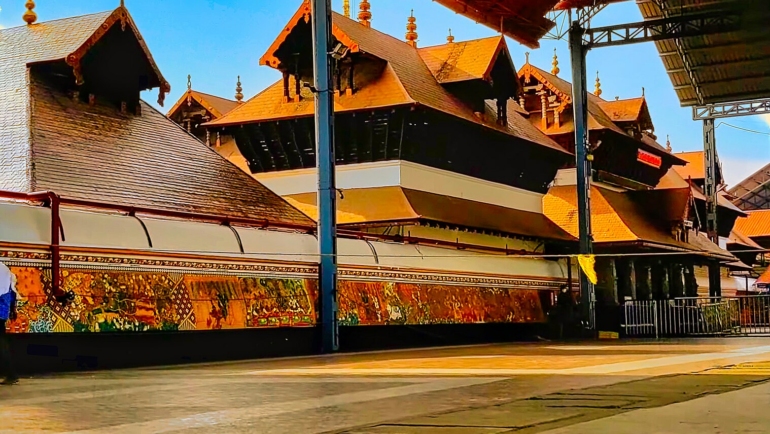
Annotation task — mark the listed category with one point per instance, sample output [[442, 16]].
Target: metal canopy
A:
[[719, 67]]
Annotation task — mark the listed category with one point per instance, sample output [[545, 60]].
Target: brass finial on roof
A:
[[30, 16], [411, 34], [364, 14], [555, 70], [668, 144], [239, 91], [450, 38], [598, 90], [189, 90], [527, 56], [346, 8]]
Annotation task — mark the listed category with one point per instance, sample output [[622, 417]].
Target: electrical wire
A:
[[742, 129]]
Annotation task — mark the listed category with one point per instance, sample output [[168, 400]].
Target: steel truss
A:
[[731, 109], [563, 20], [658, 30]]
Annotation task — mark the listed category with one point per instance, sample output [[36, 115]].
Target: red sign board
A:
[[649, 159]]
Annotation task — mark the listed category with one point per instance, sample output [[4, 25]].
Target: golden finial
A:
[[411, 35], [239, 91], [30, 16], [555, 70], [189, 90], [668, 144], [346, 8], [527, 56], [364, 15], [598, 90], [450, 38], [642, 91]]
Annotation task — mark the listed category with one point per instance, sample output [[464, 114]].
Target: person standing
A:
[[8, 298]]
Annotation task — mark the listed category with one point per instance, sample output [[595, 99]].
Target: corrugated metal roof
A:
[[726, 67]]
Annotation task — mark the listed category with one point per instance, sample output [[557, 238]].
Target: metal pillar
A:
[[710, 189], [580, 106], [327, 205]]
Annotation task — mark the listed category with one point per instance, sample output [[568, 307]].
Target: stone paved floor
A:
[[523, 388]]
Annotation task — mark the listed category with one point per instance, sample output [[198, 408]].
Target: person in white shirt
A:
[[8, 297]]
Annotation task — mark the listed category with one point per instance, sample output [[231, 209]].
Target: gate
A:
[[703, 316]]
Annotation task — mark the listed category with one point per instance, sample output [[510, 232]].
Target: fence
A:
[[710, 316]]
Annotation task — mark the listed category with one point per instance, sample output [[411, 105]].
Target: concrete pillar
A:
[[690, 282], [676, 281], [643, 281]]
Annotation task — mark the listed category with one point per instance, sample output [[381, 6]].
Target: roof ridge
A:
[[339, 15], [109, 11], [460, 42], [211, 94]]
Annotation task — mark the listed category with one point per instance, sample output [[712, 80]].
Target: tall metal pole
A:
[[580, 108], [710, 190], [327, 205]]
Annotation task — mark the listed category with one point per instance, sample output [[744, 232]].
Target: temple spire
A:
[[364, 14], [450, 39], [411, 27], [239, 91], [30, 16], [346, 8], [189, 90], [598, 90], [555, 70]]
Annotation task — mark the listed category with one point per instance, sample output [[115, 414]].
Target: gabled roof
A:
[[672, 179], [215, 105], [626, 110], [102, 155], [598, 118], [617, 218], [737, 237], [752, 182], [405, 80], [384, 205], [757, 224], [694, 167], [463, 61], [70, 39]]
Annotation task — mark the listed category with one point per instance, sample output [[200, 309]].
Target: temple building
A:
[[640, 205], [406, 117]]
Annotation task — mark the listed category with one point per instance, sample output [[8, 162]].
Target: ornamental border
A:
[[221, 268]]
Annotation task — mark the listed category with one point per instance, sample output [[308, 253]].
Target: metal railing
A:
[[707, 316]]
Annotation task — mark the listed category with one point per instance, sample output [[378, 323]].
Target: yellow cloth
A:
[[587, 263]]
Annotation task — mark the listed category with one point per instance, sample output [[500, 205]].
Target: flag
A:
[[587, 263]]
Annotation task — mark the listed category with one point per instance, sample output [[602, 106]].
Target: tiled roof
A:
[[757, 224], [694, 168], [38, 43], [216, 105], [96, 153], [617, 218], [405, 80], [397, 204], [672, 179], [461, 61], [624, 110], [737, 237]]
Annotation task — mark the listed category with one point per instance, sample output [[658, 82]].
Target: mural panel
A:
[[129, 301]]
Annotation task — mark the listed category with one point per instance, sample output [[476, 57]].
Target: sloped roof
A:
[[145, 161], [694, 168], [737, 237], [101, 155], [752, 182], [406, 80], [757, 224], [617, 218], [624, 110], [397, 204], [215, 105], [58, 40], [461, 61], [598, 118]]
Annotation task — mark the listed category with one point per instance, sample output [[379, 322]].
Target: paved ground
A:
[[688, 386]]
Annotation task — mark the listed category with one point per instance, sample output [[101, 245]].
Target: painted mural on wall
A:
[[130, 301]]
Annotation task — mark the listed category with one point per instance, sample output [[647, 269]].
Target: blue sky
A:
[[217, 40]]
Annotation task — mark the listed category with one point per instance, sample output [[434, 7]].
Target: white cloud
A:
[[765, 119]]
